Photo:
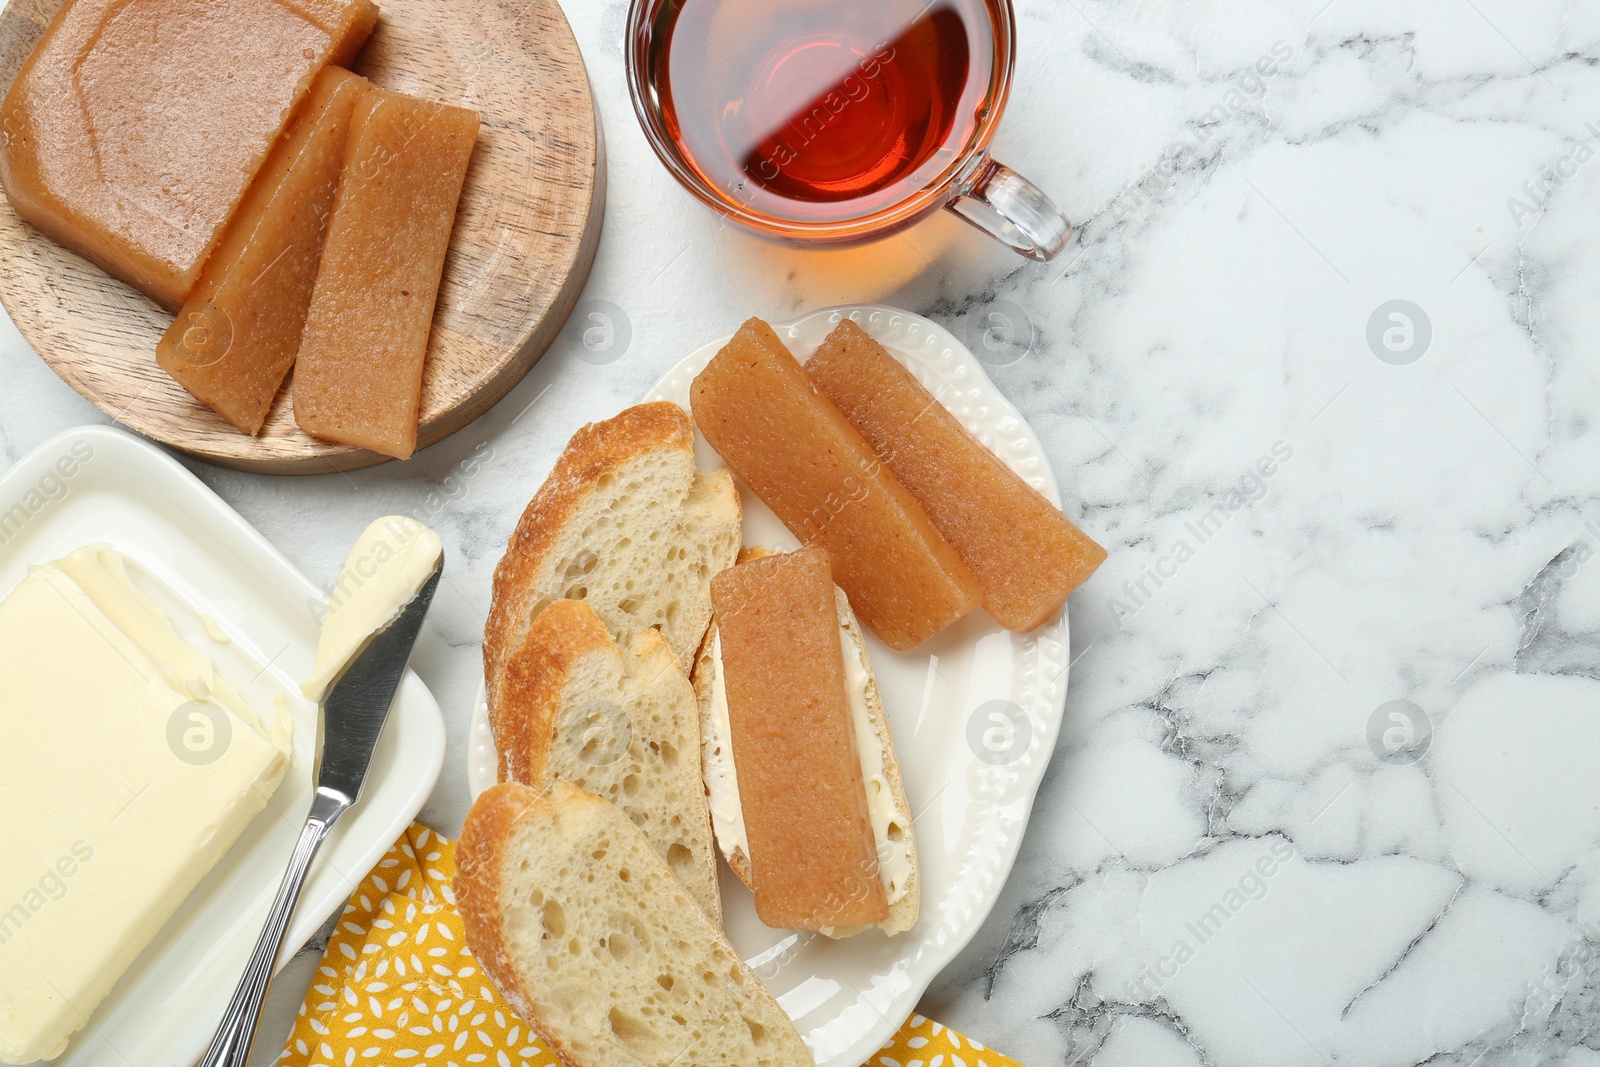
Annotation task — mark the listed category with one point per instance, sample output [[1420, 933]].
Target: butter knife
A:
[[353, 715]]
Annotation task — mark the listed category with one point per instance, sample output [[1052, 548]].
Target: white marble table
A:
[[1245, 852]]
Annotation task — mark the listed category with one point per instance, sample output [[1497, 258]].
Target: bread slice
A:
[[622, 724], [716, 751], [813, 854], [583, 930], [626, 523]]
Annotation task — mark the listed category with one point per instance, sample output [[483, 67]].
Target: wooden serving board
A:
[[525, 237]]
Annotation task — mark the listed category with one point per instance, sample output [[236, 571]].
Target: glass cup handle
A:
[[1011, 209]]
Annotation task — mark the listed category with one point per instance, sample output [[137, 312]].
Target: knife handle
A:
[[231, 1045]]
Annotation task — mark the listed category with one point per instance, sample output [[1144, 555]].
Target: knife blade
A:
[[352, 714], [355, 709]]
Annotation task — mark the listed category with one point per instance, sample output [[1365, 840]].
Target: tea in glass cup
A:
[[836, 120]]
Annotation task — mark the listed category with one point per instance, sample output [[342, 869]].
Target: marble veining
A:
[[1319, 370]]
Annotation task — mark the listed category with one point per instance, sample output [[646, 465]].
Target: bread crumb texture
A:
[[626, 524], [398, 985]]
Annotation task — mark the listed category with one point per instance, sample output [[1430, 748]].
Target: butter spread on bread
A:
[[716, 753], [887, 806]]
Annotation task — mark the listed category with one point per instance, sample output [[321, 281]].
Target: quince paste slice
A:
[[813, 857], [358, 377], [795, 450], [237, 335], [1026, 554]]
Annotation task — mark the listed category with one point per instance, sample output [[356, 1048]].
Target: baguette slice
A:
[[625, 523], [716, 752], [584, 931], [813, 855], [621, 724]]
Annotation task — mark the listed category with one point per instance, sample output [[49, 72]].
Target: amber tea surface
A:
[[823, 110]]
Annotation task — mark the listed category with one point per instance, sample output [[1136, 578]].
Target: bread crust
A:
[[592, 451], [526, 721], [478, 892], [523, 719]]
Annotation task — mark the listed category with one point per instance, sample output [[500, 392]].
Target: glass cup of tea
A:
[[837, 121]]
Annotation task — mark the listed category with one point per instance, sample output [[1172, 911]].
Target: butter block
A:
[[135, 126], [128, 768], [236, 337]]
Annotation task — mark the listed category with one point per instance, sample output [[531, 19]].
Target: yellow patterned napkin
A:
[[398, 985]]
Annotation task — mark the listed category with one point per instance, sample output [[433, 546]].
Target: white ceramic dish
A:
[[133, 496], [975, 713]]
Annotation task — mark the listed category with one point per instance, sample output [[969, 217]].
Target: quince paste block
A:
[[796, 452], [135, 126], [1026, 554], [358, 377], [236, 337]]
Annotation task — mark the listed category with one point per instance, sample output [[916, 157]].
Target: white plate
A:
[[974, 689], [133, 496]]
